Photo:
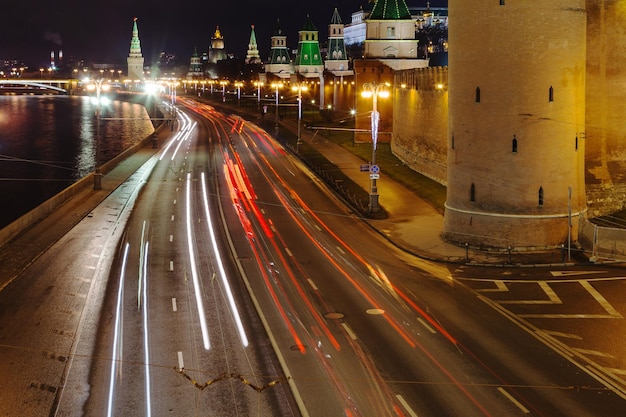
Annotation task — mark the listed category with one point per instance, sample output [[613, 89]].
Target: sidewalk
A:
[[415, 226]]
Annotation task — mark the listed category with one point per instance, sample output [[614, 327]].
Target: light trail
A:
[[146, 341], [194, 271], [220, 265], [116, 333]]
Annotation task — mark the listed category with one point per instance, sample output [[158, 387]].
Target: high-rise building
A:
[[216, 49]]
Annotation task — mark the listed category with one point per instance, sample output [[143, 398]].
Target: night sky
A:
[[101, 32]]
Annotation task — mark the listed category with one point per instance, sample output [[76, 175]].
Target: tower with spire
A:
[[195, 66], [279, 62], [135, 59], [336, 58], [216, 49], [308, 61], [253, 57]]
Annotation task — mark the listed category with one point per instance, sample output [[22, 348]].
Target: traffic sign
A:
[[374, 169], [365, 167], [374, 176]]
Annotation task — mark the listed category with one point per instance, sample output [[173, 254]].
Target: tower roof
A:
[[279, 30], [308, 25], [390, 10], [336, 19]]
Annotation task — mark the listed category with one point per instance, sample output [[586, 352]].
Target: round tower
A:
[[516, 122]]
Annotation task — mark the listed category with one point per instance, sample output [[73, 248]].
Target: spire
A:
[[390, 10], [135, 59], [336, 19], [135, 44], [252, 56]]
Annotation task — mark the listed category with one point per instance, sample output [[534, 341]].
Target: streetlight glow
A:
[[299, 88], [373, 91], [277, 86]]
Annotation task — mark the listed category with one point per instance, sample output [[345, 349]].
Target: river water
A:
[[49, 142]]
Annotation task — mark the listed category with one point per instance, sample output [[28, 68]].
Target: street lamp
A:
[[374, 91], [238, 84], [99, 87], [299, 88], [276, 86], [223, 84]]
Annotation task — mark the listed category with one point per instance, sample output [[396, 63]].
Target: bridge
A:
[[32, 85]]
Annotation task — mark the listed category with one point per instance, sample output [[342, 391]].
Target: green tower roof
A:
[[390, 10]]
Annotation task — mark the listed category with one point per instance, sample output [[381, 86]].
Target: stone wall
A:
[[605, 136], [420, 120]]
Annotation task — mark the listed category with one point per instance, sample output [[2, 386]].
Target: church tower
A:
[[308, 61], [516, 110], [253, 57], [336, 58], [279, 62], [216, 50], [135, 59]]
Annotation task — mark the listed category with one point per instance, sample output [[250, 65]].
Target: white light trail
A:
[[220, 265], [117, 331], [194, 271], [146, 342]]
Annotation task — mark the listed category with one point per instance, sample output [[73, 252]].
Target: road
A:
[[224, 279]]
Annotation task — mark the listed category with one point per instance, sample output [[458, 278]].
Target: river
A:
[[49, 142]]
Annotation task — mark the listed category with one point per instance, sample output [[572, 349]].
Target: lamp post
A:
[[299, 88], [223, 84], [374, 91], [276, 86], [238, 84], [99, 87]]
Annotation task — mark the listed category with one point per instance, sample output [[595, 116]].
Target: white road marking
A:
[[171, 265], [552, 297], [430, 329], [600, 299], [571, 273], [594, 352], [174, 201], [406, 406], [174, 307], [181, 363], [172, 217], [513, 400], [559, 334], [349, 331], [500, 287], [312, 284], [171, 238]]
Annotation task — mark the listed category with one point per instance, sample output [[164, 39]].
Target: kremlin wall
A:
[[525, 126]]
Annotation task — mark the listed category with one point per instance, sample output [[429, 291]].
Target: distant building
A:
[[195, 66], [135, 59], [216, 48]]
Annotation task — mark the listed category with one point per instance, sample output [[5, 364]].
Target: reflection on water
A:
[[49, 142]]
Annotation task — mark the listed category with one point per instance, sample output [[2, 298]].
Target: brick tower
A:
[[516, 113]]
